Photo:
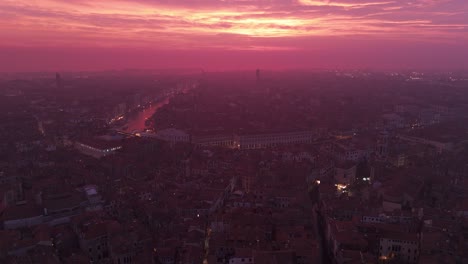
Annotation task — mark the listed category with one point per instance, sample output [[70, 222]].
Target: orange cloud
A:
[[198, 24]]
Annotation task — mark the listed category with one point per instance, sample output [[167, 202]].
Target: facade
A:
[[252, 141], [345, 173], [93, 240], [97, 150], [225, 141], [11, 193], [404, 249], [398, 160], [348, 151], [382, 218], [270, 140], [239, 260], [440, 146], [173, 135]]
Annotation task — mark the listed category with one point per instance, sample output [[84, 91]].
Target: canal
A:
[[137, 121]]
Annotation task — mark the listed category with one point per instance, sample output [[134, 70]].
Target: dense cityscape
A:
[[243, 167], [234, 132]]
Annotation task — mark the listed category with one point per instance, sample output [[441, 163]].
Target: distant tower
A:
[[257, 73], [203, 74], [247, 183], [382, 144], [248, 178], [58, 80]]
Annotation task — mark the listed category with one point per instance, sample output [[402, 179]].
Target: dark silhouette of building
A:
[[58, 80], [258, 74]]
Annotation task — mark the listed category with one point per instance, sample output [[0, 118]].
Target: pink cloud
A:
[[284, 26]]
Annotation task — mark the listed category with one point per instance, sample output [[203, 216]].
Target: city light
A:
[[341, 186]]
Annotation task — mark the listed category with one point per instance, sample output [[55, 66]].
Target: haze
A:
[[237, 34]]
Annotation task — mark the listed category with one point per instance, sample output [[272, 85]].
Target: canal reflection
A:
[[137, 121]]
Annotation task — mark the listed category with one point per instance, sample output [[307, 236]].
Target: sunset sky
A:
[[232, 34]]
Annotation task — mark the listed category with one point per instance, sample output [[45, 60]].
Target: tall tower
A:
[[257, 73], [382, 144], [58, 80]]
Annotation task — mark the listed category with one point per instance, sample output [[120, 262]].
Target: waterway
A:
[[137, 122]]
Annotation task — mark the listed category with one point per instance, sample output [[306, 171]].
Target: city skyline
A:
[[279, 34], [234, 131]]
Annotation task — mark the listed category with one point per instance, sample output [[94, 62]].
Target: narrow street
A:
[[320, 231], [324, 257]]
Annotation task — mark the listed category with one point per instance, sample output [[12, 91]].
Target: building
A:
[[173, 135], [259, 141], [62, 205], [439, 145], [392, 121], [225, 141], [345, 173], [241, 260], [97, 148], [398, 160], [22, 216], [399, 246], [93, 236], [58, 81]]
